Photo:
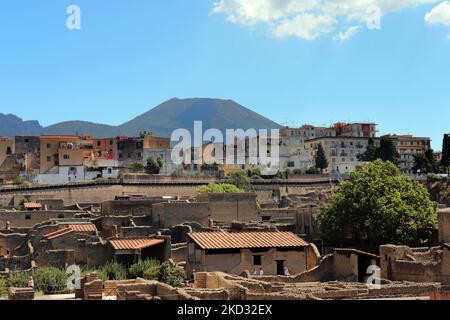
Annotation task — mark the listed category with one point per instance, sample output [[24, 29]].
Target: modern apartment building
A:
[[408, 146], [341, 152]]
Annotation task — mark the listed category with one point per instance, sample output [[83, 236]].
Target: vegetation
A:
[[378, 205], [19, 180], [218, 188], [3, 287], [210, 167], [312, 171], [425, 163], [138, 269], [17, 280], [321, 159], [113, 271], [153, 166], [387, 151], [241, 180], [137, 166], [50, 280], [167, 273]]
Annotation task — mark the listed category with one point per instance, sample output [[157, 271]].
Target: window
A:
[[110, 142], [8, 150], [98, 143], [256, 260], [49, 159], [28, 217], [66, 157]]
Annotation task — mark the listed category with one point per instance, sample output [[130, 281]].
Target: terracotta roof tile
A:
[[58, 233], [241, 240], [83, 227], [134, 243]]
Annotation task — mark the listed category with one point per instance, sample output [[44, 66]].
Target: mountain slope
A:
[[12, 125], [181, 113], [161, 120], [80, 128]]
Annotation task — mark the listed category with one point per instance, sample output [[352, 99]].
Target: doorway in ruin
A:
[[280, 267]]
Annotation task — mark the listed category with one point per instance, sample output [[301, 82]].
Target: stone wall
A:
[[28, 219], [401, 263], [229, 207], [170, 214], [444, 225]]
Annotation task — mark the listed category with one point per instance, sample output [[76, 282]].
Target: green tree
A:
[[172, 275], [218, 188], [153, 166], [240, 180], [388, 151], [445, 161], [138, 269], [378, 205], [371, 153], [425, 162], [321, 158]]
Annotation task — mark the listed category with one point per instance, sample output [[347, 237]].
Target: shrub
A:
[[172, 275], [218, 188], [18, 280], [137, 166], [50, 280], [3, 287], [113, 271], [138, 269], [152, 273]]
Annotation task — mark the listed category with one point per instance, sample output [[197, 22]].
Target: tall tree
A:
[[425, 162], [371, 153], [388, 151], [321, 158], [445, 162], [378, 205]]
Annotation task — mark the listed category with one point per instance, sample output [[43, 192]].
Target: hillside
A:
[[161, 120]]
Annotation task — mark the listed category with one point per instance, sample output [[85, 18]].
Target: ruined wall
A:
[[170, 214], [28, 219], [229, 207], [401, 263], [129, 207], [11, 242], [100, 193], [444, 225]]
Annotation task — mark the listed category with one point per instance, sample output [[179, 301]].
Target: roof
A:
[[356, 251], [134, 243], [242, 240], [32, 205], [58, 233], [83, 227], [79, 228]]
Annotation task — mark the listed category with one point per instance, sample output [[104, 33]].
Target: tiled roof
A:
[[32, 205], [241, 240], [58, 233], [80, 228], [134, 243], [83, 227]]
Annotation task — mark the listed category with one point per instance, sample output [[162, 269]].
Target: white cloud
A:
[[347, 34], [440, 15], [310, 19]]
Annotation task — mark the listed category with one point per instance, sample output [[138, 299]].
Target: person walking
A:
[[286, 272], [31, 282]]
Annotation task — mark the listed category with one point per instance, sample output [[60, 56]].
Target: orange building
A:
[[408, 146]]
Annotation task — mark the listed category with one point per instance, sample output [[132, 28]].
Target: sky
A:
[[293, 61]]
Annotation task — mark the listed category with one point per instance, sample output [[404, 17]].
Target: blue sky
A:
[[131, 55]]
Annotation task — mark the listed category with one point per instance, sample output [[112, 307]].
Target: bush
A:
[[3, 287], [137, 166], [19, 180], [18, 280], [219, 188], [50, 280], [138, 269], [152, 273], [113, 271], [172, 275]]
